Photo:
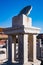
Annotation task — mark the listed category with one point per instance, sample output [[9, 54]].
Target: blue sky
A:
[[10, 8]]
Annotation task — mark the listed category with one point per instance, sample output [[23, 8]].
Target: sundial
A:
[[26, 10]]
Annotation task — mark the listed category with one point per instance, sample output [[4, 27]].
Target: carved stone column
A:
[[32, 47], [32, 50], [14, 48], [10, 48], [7, 48], [35, 60], [23, 48]]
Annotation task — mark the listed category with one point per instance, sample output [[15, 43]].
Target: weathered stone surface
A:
[[22, 26]]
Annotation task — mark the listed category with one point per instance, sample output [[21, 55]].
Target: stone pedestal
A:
[[21, 20], [22, 26]]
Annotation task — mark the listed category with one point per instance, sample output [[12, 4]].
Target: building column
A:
[[7, 48], [34, 48], [23, 48], [35, 60], [14, 49], [30, 47], [10, 48]]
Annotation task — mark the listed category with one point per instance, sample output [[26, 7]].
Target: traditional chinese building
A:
[[3, 47], [3, 37]]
